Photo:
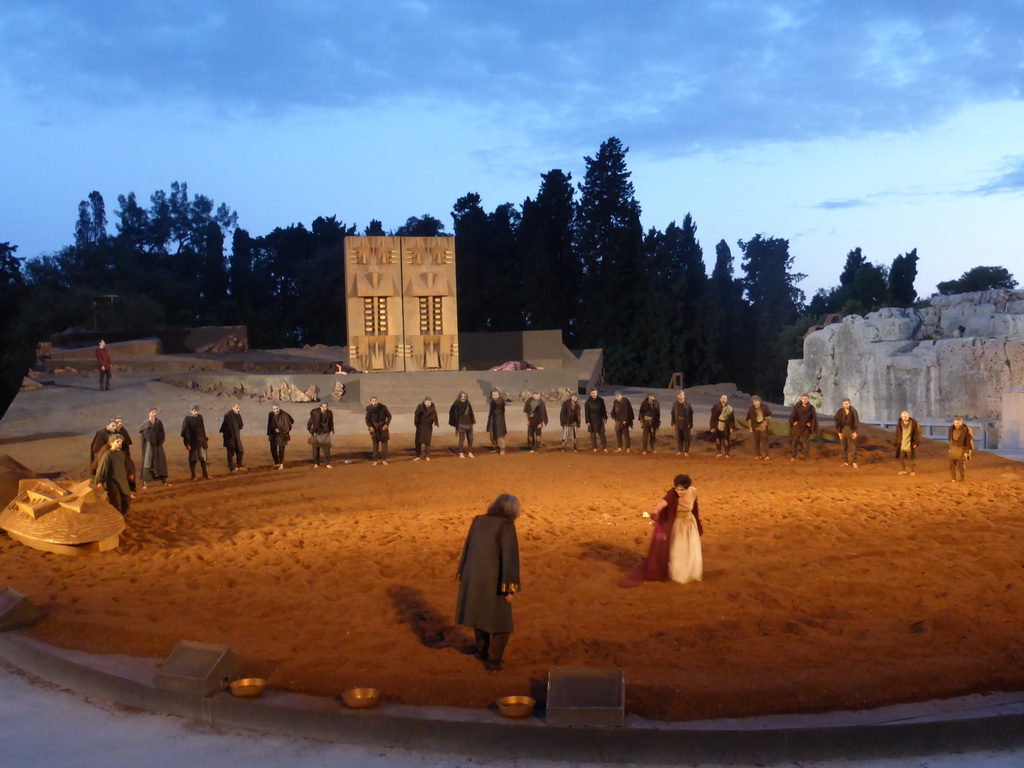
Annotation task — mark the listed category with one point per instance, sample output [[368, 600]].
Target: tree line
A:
[[574, 257]]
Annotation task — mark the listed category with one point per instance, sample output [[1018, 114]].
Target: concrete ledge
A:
[[483, 733]]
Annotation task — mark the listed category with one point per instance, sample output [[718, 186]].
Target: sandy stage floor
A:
[[825, 587]]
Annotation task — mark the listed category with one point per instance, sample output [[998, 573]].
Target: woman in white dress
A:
[[685, 559]]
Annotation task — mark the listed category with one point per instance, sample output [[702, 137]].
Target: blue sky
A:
[[885, 125]]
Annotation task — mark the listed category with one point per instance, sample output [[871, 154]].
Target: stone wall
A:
[[955, 357]]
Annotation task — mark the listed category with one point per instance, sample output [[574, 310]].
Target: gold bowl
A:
[[361, 698], [248, 687], [516, 706]]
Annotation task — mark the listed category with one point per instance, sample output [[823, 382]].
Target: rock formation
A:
[[956, 356]]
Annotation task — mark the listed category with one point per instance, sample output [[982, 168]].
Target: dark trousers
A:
[[800, 441], [277, 452], [650, 435], [490, 646], [958, 468], [423, 449], [760, 443], [683, 439], [105, 379], [321, 452], [197, 455], [622, 436], [907, 459], [849, 448], [235, 455], [465, 438], [723, 442], [598, 434], [117, 498], [380, 447], [533, 436]]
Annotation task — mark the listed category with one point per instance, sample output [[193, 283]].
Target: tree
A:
[[551, 274], [978, 279], [727, 320], [608, 240], [902, 274], [374, 229], [775, 301], [422, 226]]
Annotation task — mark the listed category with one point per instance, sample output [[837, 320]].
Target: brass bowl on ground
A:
[[248, 687], [516, 706], [360, 698]]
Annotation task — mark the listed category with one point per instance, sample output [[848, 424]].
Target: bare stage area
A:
[[825, 587]]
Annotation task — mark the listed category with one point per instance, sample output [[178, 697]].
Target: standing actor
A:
[[320, 427], [103, 362], [622, 415], [496, 427], [650, 420], [961, 444], [460, 416], [803, 422], [489, 577], [424, 419], [126, 444], [279, 432], [596, 414], [682, 423], [378, 417], [231, 429], [908, 437], [193, 435], [847, 424], [112, 475], [100, 441], [759, 415], [569, 419], [723, 424], [154, 460], [536, 419]]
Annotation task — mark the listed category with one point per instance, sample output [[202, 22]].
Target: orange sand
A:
[[825, 587]]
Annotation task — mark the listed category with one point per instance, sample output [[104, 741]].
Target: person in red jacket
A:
[[103, 360]]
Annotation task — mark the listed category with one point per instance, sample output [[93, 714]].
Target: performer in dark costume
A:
[[596, 414], [723, 424], [424, 419], [378, 419], [126, 445], [682, 423], [847, 424], [103, 363], [536, 419], [193, 435], [650, 421], [622, 415], [908, 437], [489, 577], [100, 441], [231, 429], [461, 417], [961, 444], [758, 416], [496, 427], [154, 460], [569, 419], [803, 421], [320, 427], [112, 474], [279, 432]]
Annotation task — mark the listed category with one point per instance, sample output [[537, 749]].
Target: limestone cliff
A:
[[956, 356]]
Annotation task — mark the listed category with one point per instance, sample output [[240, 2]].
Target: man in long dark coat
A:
[[99, 441], [569, 419], [803, 422], [536, 419], [723, 424], [424, 419], [378, 422], [489, 577], [320, 426], [461, 417], [622, 415], [279, 432], [496, 427], [847, 424], [112, 474], [596, 414], [126, 439], [193, 435], [759, 416], [908, 437], [154, 459], [961, 445], [231, 429], [682, 423], [650, 421]]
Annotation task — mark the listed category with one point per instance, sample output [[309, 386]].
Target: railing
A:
[[928, 426]]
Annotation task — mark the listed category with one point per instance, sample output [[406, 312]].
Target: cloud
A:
[[1010, 180], [839, 205], [675, 77]]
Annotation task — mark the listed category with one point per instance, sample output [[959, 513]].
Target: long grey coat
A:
[[488, 570]]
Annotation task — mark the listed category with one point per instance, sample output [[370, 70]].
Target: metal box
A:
[[586, 697]]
